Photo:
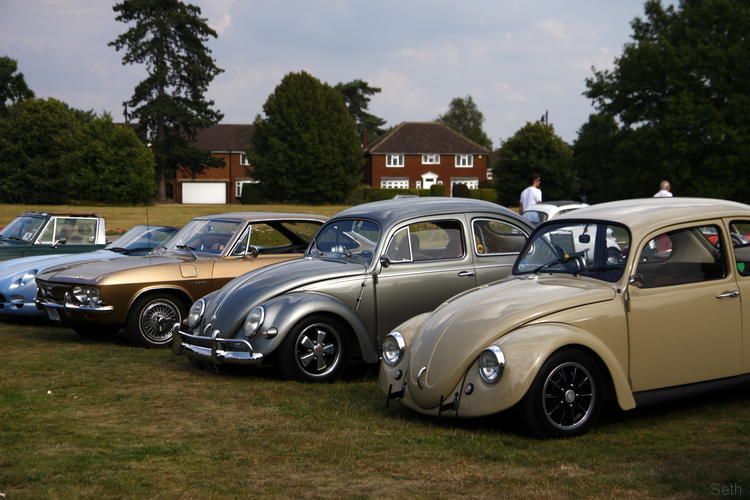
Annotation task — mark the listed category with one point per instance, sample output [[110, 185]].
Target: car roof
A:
[[561, 203], [264, 216], [647, 214], [53, 214], [389, 212]]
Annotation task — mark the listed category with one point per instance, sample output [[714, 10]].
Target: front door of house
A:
[[429, 179]]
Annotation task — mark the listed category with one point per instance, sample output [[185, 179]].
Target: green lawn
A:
[[83, 418], [123, 218]]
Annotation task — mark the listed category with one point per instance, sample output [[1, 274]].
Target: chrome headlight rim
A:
[[24, 279], [491, 364], [399, 351], [86, 295], [194, 316], [254, 321]]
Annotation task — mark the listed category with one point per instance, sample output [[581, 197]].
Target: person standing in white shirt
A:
[[665, 190], [532, 194]]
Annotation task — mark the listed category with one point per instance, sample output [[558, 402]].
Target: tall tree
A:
[[535, 148], [681, 93], [464, 117], [169, 37], [596, 160], [13, 86], [306, 148], [357, 94]]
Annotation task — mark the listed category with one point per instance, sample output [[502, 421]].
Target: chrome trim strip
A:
[[181, 342], [73, 307]]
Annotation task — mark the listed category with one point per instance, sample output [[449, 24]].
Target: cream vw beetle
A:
[[575, 326]]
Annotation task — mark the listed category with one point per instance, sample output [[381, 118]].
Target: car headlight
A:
[[87, 295], [393, 348], [196, 313], [491, 364], [25, 279], [254, 320]]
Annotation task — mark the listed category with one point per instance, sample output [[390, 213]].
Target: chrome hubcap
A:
[[157, 319], [568, 396], [318, 350]]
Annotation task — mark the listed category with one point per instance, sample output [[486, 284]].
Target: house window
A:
[[244, 160], [470, 183], [394, 184], [464, 161], [394, 160], [489, 174], [430, 159], [419, 185], [238, 187]]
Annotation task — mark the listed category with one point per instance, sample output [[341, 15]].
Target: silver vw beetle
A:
[[368, 269]]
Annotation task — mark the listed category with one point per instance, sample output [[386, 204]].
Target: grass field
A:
[[123, 218], [83, 418]]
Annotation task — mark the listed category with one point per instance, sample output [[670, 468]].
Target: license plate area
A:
[[53, 314]]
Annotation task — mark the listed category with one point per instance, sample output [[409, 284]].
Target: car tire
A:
[[92, 331], [315, 350], [151, 318], [565, 398]]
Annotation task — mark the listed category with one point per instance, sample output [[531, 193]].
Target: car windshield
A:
[[142, 237], [534, 216], [203, 236], [23, 228], [596, 249], [347, 238]]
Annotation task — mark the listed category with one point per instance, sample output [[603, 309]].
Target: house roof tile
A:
[[424, 137]]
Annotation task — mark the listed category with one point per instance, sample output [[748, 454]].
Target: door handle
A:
[[728, 294], [466, 273]]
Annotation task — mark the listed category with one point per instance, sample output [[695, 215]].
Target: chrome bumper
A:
[[70, 306], [210, 349]]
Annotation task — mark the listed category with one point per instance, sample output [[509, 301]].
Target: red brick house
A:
[[218, 184], [417, 155]]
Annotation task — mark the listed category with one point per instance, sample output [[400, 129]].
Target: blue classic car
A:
[[17, 276]]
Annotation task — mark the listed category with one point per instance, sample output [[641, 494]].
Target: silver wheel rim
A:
[[156, 320], [317, 350], [568, 396]]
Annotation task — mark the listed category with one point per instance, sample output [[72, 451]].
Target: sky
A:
[[516, 58]]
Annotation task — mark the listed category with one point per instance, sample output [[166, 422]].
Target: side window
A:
[[263, 235], [496, 237], [739, 232], [424, 241], [241, 245], [76, 231], [682, 256], [47, 236]]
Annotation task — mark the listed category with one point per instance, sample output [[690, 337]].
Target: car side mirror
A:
[[385, 261], [636, 280], [59, 242], [584, 238]]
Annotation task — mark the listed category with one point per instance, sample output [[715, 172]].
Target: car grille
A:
[[52, 291]]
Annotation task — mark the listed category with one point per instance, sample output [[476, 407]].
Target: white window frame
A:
[[243, 160], [471, 183], [464, 161], [400, 183], [238, 187], [431, 159], [489, 174], [394, 161]]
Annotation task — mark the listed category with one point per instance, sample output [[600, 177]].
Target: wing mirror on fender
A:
[[59, 242], [385, 261]]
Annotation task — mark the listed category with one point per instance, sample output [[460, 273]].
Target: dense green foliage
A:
[[357, 94], [169, 37], [306, 148], [596, 160], [680, 93], [461, 191], [535, 148], [464, 117], [50, 153], [13, 86]]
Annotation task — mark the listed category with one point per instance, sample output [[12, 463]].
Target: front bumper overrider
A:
[[214, 350]]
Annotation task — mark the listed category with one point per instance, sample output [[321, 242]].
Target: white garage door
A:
[[204, 192]]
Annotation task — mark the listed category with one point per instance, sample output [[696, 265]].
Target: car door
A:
[[739, 231], [262, 244], [429, 262], [496, 245], [684, 316]]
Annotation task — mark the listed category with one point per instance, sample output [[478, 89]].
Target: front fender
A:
[[285, 311], [526, 350]]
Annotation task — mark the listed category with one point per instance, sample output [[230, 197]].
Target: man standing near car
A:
[[532, 194]]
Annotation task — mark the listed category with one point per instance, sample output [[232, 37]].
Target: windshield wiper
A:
[[189, 249], [561, 260]]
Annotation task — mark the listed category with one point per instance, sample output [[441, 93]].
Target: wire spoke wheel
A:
[[568, 396], [318, 350], [156, 320]]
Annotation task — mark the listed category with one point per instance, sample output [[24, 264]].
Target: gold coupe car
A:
[[147, 295], [578, 323]]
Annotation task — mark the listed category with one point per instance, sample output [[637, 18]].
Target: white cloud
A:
[[218, 13], [508, 93], [554, 28]]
